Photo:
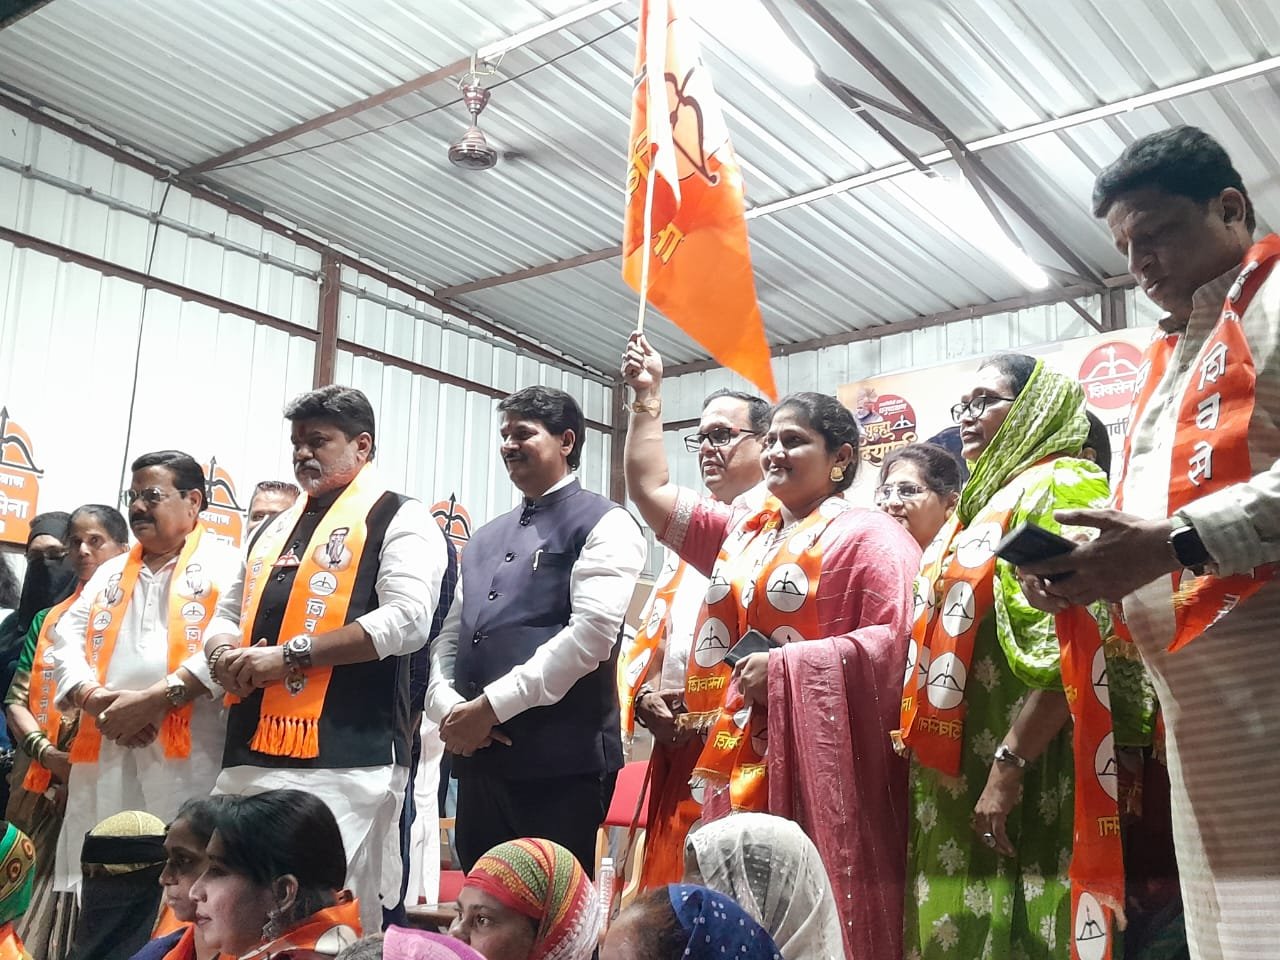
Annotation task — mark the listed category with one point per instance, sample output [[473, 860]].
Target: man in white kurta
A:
[[140, 776], [360, 767], [1180, 212]]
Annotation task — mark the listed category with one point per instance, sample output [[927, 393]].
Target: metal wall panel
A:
[[99, 370], [186, 82]]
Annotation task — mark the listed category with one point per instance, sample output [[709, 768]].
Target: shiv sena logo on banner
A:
[[19, 481], [1109, 374], [454, 521], [224, 517]]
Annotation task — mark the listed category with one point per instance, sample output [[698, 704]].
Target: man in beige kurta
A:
[[1179, 211]]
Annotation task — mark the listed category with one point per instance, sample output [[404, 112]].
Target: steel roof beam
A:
[[487, 52], [977, 170]]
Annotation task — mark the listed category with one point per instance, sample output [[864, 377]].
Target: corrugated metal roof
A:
[[185, 82]]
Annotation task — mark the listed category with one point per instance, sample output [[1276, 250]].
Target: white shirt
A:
[[141, 655], [410, 566], [600, 587], [1218, 693], [682, 620]]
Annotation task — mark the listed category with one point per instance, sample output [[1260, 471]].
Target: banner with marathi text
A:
[[19, 481], [900, 408], [224, 517]]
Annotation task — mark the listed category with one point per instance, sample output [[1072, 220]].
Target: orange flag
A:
[[682, 168]]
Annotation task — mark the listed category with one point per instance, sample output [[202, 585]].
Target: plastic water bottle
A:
[[604, 884]]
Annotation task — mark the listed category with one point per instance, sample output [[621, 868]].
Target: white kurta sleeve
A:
[[441, 697], [411, 565], [600, 588]]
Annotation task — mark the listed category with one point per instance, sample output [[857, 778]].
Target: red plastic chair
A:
[[626, 792]]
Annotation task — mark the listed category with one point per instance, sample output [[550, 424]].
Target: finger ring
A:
[[103, 716], [989, 839]]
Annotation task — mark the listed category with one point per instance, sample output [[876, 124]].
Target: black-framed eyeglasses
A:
[[716, 436], [151, 495], [905, 491], [977, 406]]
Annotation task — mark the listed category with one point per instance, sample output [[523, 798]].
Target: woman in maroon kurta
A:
[[830, 693]]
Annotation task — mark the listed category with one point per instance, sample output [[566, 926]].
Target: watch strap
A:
[[1005, 755]]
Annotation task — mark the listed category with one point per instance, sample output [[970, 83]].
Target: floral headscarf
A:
[[718, 927], [545, 882], [774, 872]]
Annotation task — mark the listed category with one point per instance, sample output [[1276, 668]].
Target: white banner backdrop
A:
[[900, 408]]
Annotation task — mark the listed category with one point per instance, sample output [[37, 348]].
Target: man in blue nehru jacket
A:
[[522, 673]]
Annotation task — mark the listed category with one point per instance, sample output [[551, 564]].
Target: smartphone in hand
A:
[[1029, 543], [753, 641]]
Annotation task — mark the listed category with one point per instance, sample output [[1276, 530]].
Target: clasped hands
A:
[[471, 726], [242, 670], [130, 718]]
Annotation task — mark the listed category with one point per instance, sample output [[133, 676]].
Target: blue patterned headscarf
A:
[[718, 927]]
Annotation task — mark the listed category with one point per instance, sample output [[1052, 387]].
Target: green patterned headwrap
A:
[[17, 873], [1047, 417]]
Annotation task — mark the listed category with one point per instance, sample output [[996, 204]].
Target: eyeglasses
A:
[[976, 407], [906, 492], [716, 436], [152, 495]]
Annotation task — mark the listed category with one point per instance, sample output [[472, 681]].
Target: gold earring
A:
[[837, 473]]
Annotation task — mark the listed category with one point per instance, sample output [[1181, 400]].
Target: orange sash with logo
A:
[[1097, 861], [953, 594], [289, 722], [1211, 445], [338, 925], [655, 622], [41, 693], [193, 597], [773, 588]]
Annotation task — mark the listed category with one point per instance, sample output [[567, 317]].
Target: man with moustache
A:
[[1192, 553], [312, 640], [651, 680], [523, 672], [127, 653]]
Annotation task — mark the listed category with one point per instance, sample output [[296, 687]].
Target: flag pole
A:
[[646, 246]]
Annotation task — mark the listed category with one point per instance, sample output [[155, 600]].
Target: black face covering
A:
[[47, 582]]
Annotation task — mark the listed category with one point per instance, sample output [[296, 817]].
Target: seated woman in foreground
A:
[[185, 844], [774, 872], [528, 899], [274, 884], [686, 922]]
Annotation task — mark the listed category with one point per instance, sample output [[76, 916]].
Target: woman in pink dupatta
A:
[[831, 692]]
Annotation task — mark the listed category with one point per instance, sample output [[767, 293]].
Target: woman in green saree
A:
[[985, 715]]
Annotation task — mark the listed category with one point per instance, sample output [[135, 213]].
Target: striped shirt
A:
[[1220, 694]]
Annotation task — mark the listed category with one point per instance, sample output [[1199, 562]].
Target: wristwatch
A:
[[1005, 755], [1188, 547], [297, 652], [175, 691], [652, 406]]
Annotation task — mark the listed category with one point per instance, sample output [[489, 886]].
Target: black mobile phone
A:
[[753, 641], [1028, 543]]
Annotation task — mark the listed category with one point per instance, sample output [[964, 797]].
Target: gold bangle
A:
[[652, 406]]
